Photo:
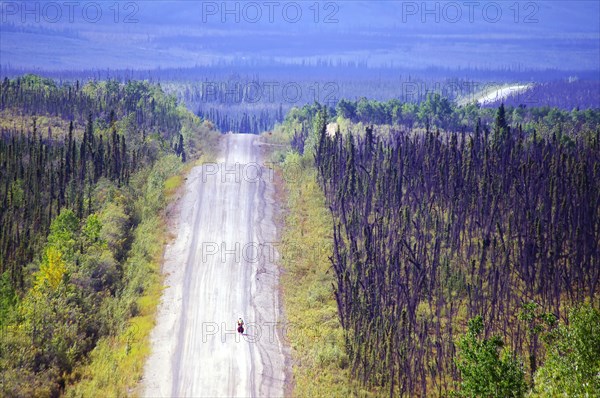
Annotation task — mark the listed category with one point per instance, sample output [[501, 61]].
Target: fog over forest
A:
[[149, 34]]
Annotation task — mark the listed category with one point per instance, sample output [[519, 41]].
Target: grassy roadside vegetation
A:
[[116, 365], [320, 362]]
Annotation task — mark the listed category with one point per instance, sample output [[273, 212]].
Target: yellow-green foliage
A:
[[320, 363], [116, 364], [10, 118], [172, 184], [51, 271]]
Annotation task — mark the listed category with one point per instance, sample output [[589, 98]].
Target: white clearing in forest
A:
[[499, 94]]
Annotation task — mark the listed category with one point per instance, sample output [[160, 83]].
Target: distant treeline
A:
[[146, 105], [437, 112], [432, 229], [302, 70], [253, 106], [249, 96], [246, 121]]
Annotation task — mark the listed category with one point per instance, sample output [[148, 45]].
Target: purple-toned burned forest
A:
[[433, 229]]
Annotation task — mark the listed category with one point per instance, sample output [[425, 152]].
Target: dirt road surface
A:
[[221, 266]]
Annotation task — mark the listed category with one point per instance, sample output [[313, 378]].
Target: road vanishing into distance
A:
[[221, 266]]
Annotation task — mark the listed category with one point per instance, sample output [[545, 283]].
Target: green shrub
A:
[[485, 371], [572, 366]]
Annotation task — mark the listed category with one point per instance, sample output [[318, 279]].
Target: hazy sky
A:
[[416, 34]]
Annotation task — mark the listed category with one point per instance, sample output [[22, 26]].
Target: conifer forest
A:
[[432, 229], [366, 198]]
